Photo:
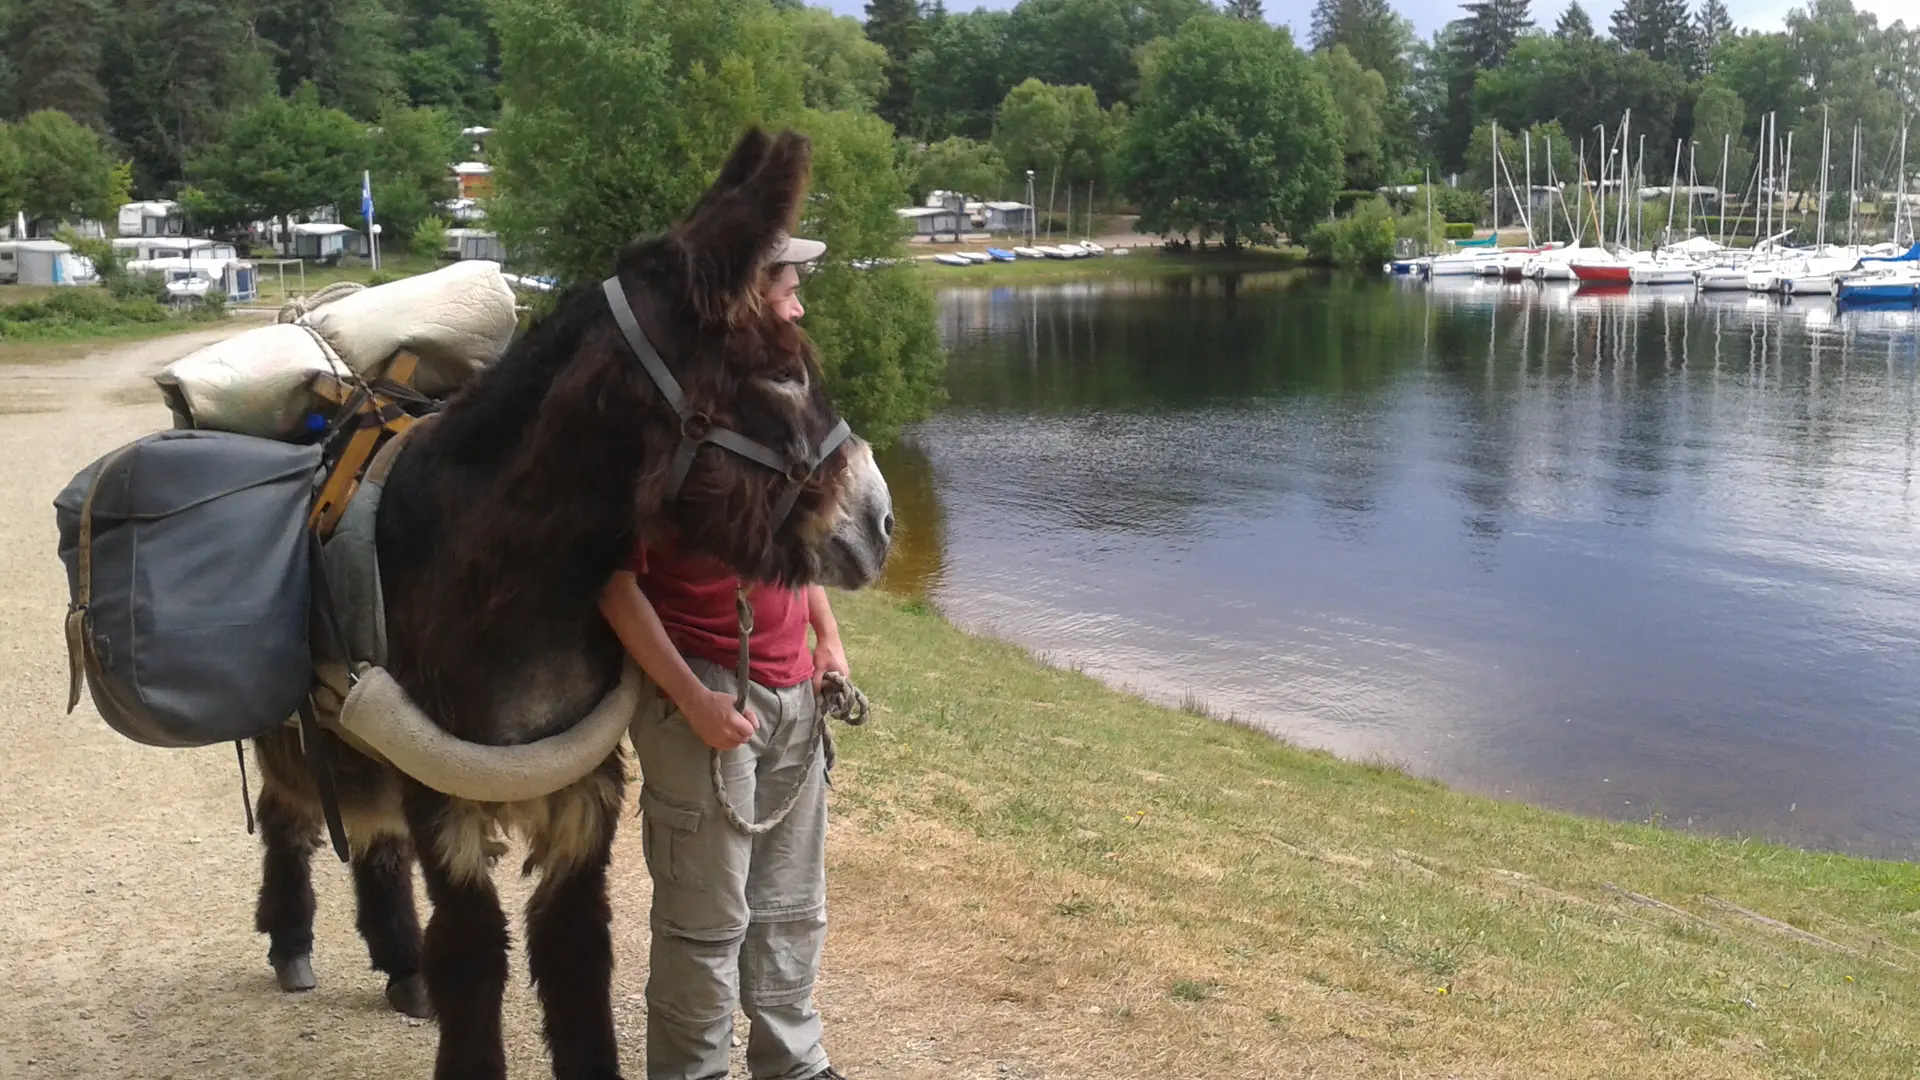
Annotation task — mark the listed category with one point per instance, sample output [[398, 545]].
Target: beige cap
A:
[[797, 249]]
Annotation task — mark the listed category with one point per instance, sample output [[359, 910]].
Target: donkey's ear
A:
[[748, 154], [729, 236]]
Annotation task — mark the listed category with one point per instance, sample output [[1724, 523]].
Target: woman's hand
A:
[[828, 655], [714, 720]]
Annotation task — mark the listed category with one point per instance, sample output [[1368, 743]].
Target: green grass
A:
[[1140, 262], [1255, 907], [82, 314], [349, 269]]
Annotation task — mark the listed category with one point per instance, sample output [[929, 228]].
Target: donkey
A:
[[499, 526]]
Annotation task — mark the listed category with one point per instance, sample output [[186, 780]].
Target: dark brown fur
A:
[[499, 527]]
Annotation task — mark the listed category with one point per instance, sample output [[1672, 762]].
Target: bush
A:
[[1460, 230], [429, 238], [1360, 241], [76, 312]]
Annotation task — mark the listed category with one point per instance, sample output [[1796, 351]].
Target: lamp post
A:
[[1030, 222]]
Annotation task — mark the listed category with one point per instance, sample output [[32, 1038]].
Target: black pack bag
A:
[[188, 563]]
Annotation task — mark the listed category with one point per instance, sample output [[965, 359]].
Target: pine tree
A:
[[1660, 28], [1492, 27], [1574, 25], [55, 50], [343, 47], [1370, 29], [1246, 9], [173, 70], [898, 26], [1712, 26]]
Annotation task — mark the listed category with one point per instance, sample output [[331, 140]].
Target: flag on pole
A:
[[366, 211]]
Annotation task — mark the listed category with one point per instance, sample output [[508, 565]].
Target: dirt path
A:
[[127, 877]]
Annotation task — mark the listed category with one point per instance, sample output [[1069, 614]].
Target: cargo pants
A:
[[736, 918]]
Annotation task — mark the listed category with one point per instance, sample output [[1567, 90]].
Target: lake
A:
[[1641, 554]]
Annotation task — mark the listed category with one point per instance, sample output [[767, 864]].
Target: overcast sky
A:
[[1428, 17]]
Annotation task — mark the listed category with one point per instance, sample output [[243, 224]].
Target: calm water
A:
[[1646, 556]]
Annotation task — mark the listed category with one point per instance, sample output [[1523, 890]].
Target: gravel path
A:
[[127, 877]]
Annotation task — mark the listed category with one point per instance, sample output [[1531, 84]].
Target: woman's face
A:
[[783, 293]]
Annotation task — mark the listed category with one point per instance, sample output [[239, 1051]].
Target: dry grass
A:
[[1155, 893]]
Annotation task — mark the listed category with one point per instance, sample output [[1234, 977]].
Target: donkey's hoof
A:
[[294, 973], [408, 995]]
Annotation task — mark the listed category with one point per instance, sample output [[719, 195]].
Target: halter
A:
[[698, 427]]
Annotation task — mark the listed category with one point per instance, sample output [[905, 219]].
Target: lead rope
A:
[[841, 698]]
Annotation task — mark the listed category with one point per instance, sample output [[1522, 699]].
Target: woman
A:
[[736, 918]]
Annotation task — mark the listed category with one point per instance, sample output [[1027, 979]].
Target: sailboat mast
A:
[[1673, 188], [1826, 149], [1900, 198], [1526, 201], [1786, 183], [1429, 185], [1853, 189], [1693, 176], [1639, 204], [1727, 154], [1600, 190], [1626, 165], [1495, 173]]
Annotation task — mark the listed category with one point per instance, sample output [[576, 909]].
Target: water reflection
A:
[[1630, 553]]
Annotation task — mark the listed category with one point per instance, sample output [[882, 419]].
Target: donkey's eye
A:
[[785, 382]]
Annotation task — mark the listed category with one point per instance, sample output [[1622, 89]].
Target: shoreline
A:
[[1139, 262]]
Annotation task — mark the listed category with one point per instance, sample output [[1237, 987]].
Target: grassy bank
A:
[[392, 267], [1178, 896], [1140, 262], [75, 314]]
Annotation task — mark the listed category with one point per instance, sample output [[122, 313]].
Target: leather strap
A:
[[697, 428], [643, 349]]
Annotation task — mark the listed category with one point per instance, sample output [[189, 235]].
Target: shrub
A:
[[429, 237], [1363, 240], [1460, 230]]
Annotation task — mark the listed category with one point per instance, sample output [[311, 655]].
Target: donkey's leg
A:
[[569, 945], [383, 886], [289, 832], [464, 958]]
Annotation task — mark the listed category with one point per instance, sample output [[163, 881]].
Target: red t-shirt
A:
[[693, 595]]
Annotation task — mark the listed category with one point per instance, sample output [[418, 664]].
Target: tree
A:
[[13, 179], [1370, 29], [1713, 25], [407, 154], [65, 170], [1764, 71], [1492, 29], [962, 75], [278, 158], [1234, 135], [1574, 25], [1660, 28], [875, 328], [449, 56], [174, 69], [615, 117], [54, 47], [961, 164], [344, 48], [1091, 42], [897, 27], [1360, 100], [844, 70], [1718, 115], [1246, 9], [1057, 131]]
